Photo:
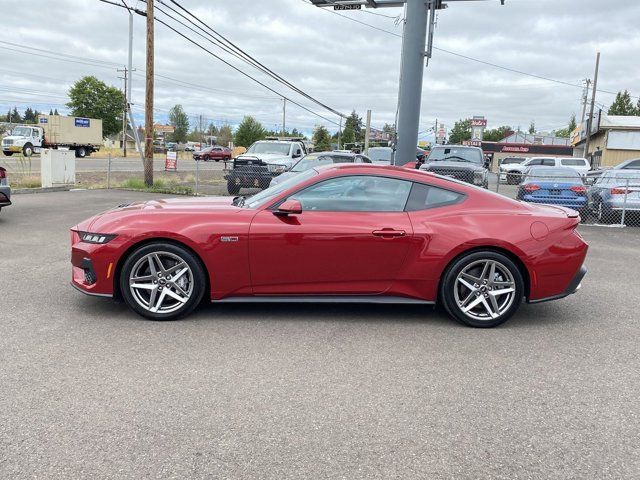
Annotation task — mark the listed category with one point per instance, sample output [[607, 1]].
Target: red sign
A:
[[478, 122], [171, 162], [515, 149]]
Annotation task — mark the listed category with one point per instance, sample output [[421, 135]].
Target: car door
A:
[[352, 237]]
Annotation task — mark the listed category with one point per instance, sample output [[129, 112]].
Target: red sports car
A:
[[339, 233]]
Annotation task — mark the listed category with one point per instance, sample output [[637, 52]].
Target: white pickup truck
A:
[[263, 160], [82, 135]]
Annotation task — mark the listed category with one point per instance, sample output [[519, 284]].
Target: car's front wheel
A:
[[162, 281], [482, 289]]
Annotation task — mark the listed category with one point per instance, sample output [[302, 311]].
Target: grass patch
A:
[[159, 186], [27, 182]]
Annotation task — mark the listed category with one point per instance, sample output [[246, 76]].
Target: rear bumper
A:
[[5, 196], [573, 287]]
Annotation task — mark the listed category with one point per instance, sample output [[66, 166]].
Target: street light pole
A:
[[593, 101], [410, 95]]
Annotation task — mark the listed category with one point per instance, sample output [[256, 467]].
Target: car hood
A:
[[13, 137], [444, 165], [120, 216], [268, 157]]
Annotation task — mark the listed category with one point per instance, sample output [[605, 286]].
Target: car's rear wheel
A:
[[482, 289], [27, 150], [162, 281]]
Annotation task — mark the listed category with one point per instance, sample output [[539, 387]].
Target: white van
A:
[[513, 173]]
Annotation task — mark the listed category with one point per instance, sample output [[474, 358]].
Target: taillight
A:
[[579, 189], [531, 187], [618, 191]]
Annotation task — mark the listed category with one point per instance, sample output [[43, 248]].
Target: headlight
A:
[[478, 178], [97, 238], [276, 168]]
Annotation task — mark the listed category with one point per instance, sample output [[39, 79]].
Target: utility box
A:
[[58, 167]]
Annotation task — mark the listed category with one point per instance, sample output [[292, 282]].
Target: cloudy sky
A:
[[345, 64]]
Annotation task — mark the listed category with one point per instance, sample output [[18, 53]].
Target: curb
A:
[[17, 191]]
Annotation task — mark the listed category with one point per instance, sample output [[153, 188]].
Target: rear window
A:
[[424, 196], [574, 162], [542, 174], [508, 161]]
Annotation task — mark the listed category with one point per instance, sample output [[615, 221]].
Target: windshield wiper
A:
[[458, 159]]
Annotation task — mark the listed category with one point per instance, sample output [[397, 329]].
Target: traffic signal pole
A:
[[410, 94]]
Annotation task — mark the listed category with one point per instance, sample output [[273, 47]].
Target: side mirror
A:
[[289, 207], [297, 154]]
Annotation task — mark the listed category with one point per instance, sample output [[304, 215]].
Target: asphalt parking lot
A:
[[89, 390]]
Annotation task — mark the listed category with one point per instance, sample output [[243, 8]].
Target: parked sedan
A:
[[338, 233], [318, 159], [215, 152], [5, 189], [554, 186], [613, 192]]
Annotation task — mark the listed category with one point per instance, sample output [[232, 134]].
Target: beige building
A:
[[614, 139]]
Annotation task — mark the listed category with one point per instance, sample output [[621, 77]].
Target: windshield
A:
[[380, 154], [22, 132], [270, 193], [455, 154], [311, 161], [509, 161], [268, 147]]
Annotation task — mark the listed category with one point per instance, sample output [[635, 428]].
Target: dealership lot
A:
[[295, 391]]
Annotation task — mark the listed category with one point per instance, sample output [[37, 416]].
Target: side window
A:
[[424, 196], [537, 161], [358, 193], [632, 165], [549, 162], [362, 159]]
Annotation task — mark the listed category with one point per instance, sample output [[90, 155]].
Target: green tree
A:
[[90, 97], [353, 132], [622, 105], [321, 139], [55, 111], [14, 116], [180, 122], [29, 116], [212, 130], [296, 133], [497, 134], [249, 131], [566, 132], [460, 132], [225, 135], [532, 127], [572, 123], [50, 112]]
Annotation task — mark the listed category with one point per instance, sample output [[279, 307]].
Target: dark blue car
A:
[[554, 186]]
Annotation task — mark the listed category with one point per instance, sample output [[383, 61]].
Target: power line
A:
[[466, 57], [228, 46]]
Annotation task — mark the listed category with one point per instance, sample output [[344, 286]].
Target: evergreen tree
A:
[[352, 132], [321, 139], [180, 122], [532, 127], [622, 105], [55, 112], [572, 123], [15, 116], [249, 131], [29, 116], [50, 112]]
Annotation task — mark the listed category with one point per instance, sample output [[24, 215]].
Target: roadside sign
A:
[[171, 162]]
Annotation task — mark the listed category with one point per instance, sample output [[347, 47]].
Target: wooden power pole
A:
[[148, 104]]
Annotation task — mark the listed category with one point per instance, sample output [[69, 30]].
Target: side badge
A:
[[228, 239]]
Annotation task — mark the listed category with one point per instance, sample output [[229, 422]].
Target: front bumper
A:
[[12, 148], [5, 196], [573, 287], [93, 266]]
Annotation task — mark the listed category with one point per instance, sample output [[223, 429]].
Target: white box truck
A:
[[82, 135]]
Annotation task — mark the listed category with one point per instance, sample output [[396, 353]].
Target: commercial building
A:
[[614, 139]]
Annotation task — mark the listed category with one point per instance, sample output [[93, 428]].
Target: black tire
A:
[[448, 286], [198, 280], [232, 188], [27, 150], [81, 152]]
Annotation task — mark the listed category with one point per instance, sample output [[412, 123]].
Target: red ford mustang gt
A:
[[341, 233]]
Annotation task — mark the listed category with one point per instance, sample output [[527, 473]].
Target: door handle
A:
[[389, 233]]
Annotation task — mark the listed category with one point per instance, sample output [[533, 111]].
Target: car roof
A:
[[333, 152]]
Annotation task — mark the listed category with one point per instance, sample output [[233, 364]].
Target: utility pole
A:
[[593, 102], [284, 116], [340, 135], [585, 98], [124, 113], [148, 104], [367, 132]]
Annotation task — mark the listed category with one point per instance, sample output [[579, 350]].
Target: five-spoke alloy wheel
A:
[[482, 289], [162, 281]]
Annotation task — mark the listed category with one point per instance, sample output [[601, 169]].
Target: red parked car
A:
[[338, 233], [213, 153]]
